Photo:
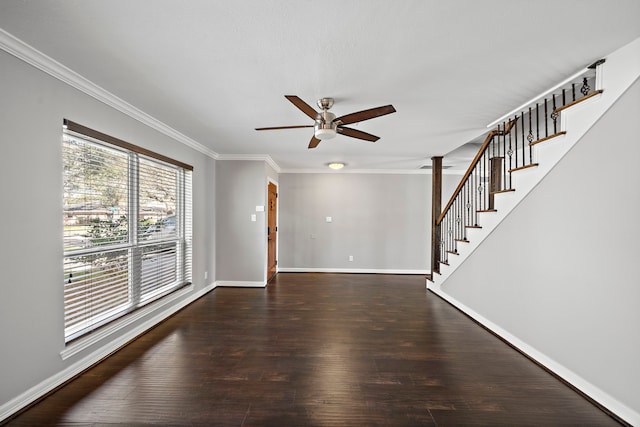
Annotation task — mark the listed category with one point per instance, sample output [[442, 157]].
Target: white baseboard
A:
[[240, 284], [350, 270], [51, 383], [595, 393]]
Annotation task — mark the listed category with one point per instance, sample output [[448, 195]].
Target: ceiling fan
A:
[[327, 125]]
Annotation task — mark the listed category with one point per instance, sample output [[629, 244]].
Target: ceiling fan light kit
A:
[[324, 133], [327, 125]]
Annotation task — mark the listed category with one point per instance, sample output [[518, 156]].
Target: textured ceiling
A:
[[215, 70]]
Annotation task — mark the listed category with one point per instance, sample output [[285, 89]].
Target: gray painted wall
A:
[[381, 219], [241, 243], [568, 284], [32, 108]]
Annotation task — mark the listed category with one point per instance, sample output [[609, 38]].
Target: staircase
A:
[[560, 308], [513, 158]]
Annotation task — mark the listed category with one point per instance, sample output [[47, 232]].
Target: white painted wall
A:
[[567, 286], [32, 108], [382, 220]]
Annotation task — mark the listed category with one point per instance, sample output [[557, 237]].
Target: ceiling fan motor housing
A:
[[325, 127]]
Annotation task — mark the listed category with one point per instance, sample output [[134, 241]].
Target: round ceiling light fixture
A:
[[336, 165]]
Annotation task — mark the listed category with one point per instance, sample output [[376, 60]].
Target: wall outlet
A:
[[350, 257], [206, 274]]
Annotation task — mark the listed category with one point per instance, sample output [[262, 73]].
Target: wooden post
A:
[[436, 208], [495, 179]]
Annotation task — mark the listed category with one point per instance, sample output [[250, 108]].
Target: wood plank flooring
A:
[[317, 350]]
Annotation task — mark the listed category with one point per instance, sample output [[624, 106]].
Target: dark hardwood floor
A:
[[317, 350]]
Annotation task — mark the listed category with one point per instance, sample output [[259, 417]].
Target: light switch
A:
[[329, 219], [253, 217], [259, 208]]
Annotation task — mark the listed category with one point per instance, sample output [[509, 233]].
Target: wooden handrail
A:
[[474, 162], [492, 166], [577, 101]]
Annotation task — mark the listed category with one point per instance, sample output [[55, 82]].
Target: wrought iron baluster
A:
[[460, 218], [443, 249], [481, 180], [468, 210], [573, 91], [479, 184], [554, 115], [510, 151], [443, 252], [457, 227], [537, 122], [546, 119], [585, 87], [475, 195], [444, 241], [517, 149], [451, 232], [485, 163], [529, 135], [504, 160]]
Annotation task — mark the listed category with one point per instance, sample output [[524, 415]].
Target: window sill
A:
[[83, 343]]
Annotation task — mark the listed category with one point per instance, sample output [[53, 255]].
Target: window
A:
[[127, 228]]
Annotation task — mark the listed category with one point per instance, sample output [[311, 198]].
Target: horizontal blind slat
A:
[[106, 272]]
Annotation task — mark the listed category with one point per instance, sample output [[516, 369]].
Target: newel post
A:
[[436, 207]]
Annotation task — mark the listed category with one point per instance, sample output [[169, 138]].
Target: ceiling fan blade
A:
[[302, 106], [365, 114], [353, 133], [314, 142], [286, 127]]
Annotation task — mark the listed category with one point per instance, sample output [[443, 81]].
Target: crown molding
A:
[[362, 171], [259, 157], [39, 60]]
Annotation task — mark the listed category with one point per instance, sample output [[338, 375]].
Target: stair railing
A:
[[506, 149]]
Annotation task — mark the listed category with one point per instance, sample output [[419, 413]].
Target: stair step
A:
[[532, 165], [462, 240], [472, 226], [453, 252], [508, 190], [538, 141], [487, 210]]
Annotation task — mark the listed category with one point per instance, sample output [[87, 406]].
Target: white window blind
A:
[[127, 228]]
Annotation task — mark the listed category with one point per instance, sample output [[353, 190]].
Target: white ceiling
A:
[[215, 70]]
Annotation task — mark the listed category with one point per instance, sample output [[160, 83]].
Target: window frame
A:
[[178, 259]]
